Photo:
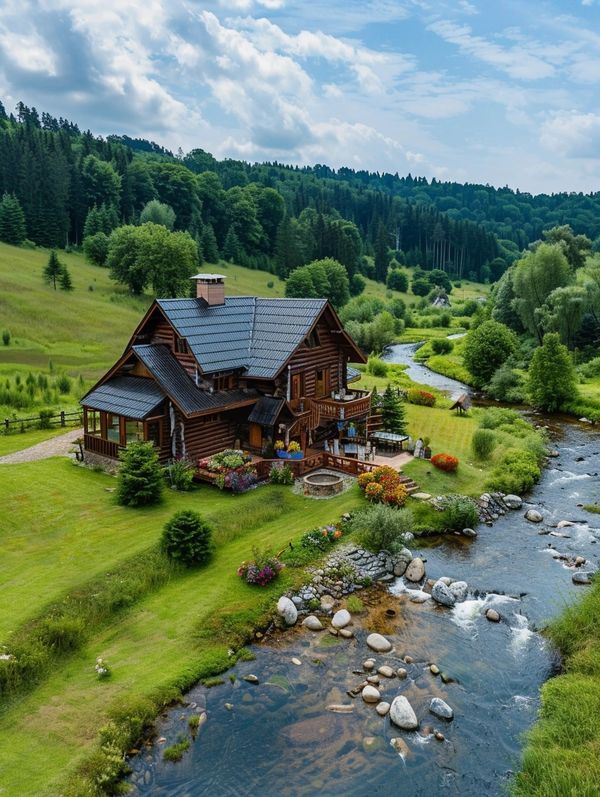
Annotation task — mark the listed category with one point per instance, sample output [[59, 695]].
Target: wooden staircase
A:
[[409, 485]]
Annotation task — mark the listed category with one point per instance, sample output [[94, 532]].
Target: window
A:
[[92, 422], [312, 341], [113, 428], [223, 382], [134, 431], [154, 433], [181, 346]]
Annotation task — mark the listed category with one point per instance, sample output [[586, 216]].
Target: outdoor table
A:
[[391, 439]]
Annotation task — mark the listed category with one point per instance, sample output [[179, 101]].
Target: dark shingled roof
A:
[[265, 411], [131, 396], [257, 335], [177, 383], [353, 374]]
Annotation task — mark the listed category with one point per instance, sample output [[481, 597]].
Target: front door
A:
[[255, 436], [297, 386]]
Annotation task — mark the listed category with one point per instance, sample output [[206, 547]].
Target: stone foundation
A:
[[93, 460]]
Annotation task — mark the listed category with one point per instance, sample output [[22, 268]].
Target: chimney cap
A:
[[208, 277]]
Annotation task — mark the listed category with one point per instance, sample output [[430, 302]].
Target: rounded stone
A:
[[327, 602], [402, 673], [287, 610], [370, 694], [434, 669], [346, 633], [533, 516], [341, 619], [459, 590], [368, 664], [492, 615], [402, 714], [386, 671], [252, 679], [441, 709], [373, 679], [382, 708], [441, 594], [513, 501], [408, 660], [415, 571], [379, 643], [312, 623]]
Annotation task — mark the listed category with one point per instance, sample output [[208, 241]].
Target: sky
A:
[[505, 92]]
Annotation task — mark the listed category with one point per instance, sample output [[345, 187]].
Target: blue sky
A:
[[501, 92]]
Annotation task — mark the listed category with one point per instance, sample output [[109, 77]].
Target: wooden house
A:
[[203, 374]]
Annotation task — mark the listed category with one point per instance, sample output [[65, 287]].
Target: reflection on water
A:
[[280, 739]]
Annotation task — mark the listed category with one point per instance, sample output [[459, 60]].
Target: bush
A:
[[517, 472], [45, 419], [321, 538], [445, 462], [376, 366], [441, 346], [270, 284], [422, 397], [95, 248], [589, 370], [381, 527], [180, 474], [5, 337], [397, 280], [281, 474], [420, 287], [263, 569], [487, 348], [140, 475], [483, 443], [507, 385], [187, 538], [63, 383], [382, 484], [354, 604], [459, 512]]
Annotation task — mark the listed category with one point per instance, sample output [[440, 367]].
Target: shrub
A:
[[63, 383], [187, 538], [420, 287], [364, 479], [321, 537], [140, 475], [46, 419], [382, 527], [374, 492], [441, 346], [5, 337], [589, 369], [517, 472], [229, 459], [281, 474], [270, 284], [487, 348], [445, 462], [180, 474], [354, 604], [383, 484], [397, 280], [263, 569], [422, 397], [395, 496], [483, 443], [95, 248], [459, 512], [376, 366], [507, 385]]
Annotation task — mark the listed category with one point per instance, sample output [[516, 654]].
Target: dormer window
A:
[[181, 346], [312, 340]]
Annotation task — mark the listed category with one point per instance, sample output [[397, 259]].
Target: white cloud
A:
[[573, 134], [28, 51]]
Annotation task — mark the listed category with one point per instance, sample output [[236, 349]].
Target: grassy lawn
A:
[[154, 643], [562, 756]]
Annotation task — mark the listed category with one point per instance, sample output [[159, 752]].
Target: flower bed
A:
[[261, 570], [321, 537], [422, 397], [231, 470], [382, 485], [445, 462]]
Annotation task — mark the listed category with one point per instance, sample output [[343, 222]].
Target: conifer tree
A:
[[53, 269], [65, 280], [231, 247], [382, 257], [210, 250], [393, 412], [12, 221]]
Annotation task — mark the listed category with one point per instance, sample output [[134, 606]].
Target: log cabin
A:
[[203, 374]]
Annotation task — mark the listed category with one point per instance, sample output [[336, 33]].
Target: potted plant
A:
[[426, 449], [280, 449], [294, 451]]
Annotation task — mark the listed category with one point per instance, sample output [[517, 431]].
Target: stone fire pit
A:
[[323, 484]]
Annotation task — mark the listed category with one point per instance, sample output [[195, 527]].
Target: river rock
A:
[[400, 747], [327, 602], [513, 501], [386, 671], [533, 516], [346, 633], [579, 560], [370, 694], [252, 679], [439, 736], [441, 594], [368, 664], [434, 669], [373, 679], [418, 596], [564, 524], [287, 610], [296, 661], [469, 533], [341, 619], [402, 673], [492, 615], [441, 709], [379, 643], [340, 708], [312, 623], [382, 708], [402, 714], [416, 570], [400, 567], [581, 578], [459, 589]]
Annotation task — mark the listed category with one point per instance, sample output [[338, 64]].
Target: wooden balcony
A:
[[97, 445], [356, 404]]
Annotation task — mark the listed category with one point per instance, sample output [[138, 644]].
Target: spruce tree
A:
[[65, 280], [210, 250], [53, 269], [382, 256], [231, 248], [12, 221], [393, 412]]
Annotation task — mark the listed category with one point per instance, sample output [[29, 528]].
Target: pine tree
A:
[[393, 412], [12, 221], [231, 248], [382, 256], [210, 250], [65, 280], [53, 269]]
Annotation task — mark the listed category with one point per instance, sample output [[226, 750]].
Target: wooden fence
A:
[[42, 421]]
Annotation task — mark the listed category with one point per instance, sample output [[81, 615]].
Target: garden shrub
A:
[[261, 570], [445, 462], [380, 527], [180, 474], [483, 443], [187, 538], [383, 484], [321, 537], [441, 346], [422, 397], [281, 474], [517, 472], [140, 475], [459, 512], [45, 419]]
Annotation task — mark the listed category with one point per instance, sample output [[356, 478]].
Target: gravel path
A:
[[59, 446]]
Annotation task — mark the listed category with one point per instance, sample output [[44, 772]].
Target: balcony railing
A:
[[98, 445], [353, 405]]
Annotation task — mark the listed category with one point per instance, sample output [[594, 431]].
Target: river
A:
[[277, 738]]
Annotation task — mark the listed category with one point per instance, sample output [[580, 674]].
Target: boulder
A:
[[415, 571], [513, 501], [379, 643], [581, 577], [341, 619], [459, 590], [327, 602], [312, 623], [533, 516], [492, 615], [400, 568], [382, 708], [402, 714], [441, 594], [441, 709], [418, 596], [370, 694], [287, 610]]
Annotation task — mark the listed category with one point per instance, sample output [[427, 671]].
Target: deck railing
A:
[[320, 459], [98, 445], [344, 410]]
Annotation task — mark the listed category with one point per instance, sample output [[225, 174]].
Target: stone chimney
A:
[[211, 288]]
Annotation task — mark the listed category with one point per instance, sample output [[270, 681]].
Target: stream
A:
[[277, 737]]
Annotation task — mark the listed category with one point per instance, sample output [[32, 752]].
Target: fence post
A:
[[62, 417], [6, 423]]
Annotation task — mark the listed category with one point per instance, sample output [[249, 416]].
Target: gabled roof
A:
[[266, 411], [253, 334], [179, 386], [132, 396]]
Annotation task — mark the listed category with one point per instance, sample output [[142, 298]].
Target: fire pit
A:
[[322, 485]]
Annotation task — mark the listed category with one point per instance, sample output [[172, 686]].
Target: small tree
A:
[[12, 220], [140, 475], [397, 280], [210, 250], [551, 380], [187, 538], [53, 269], [95, 248], [487, 348], [158, 213], [65, 280], [393, 412]]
